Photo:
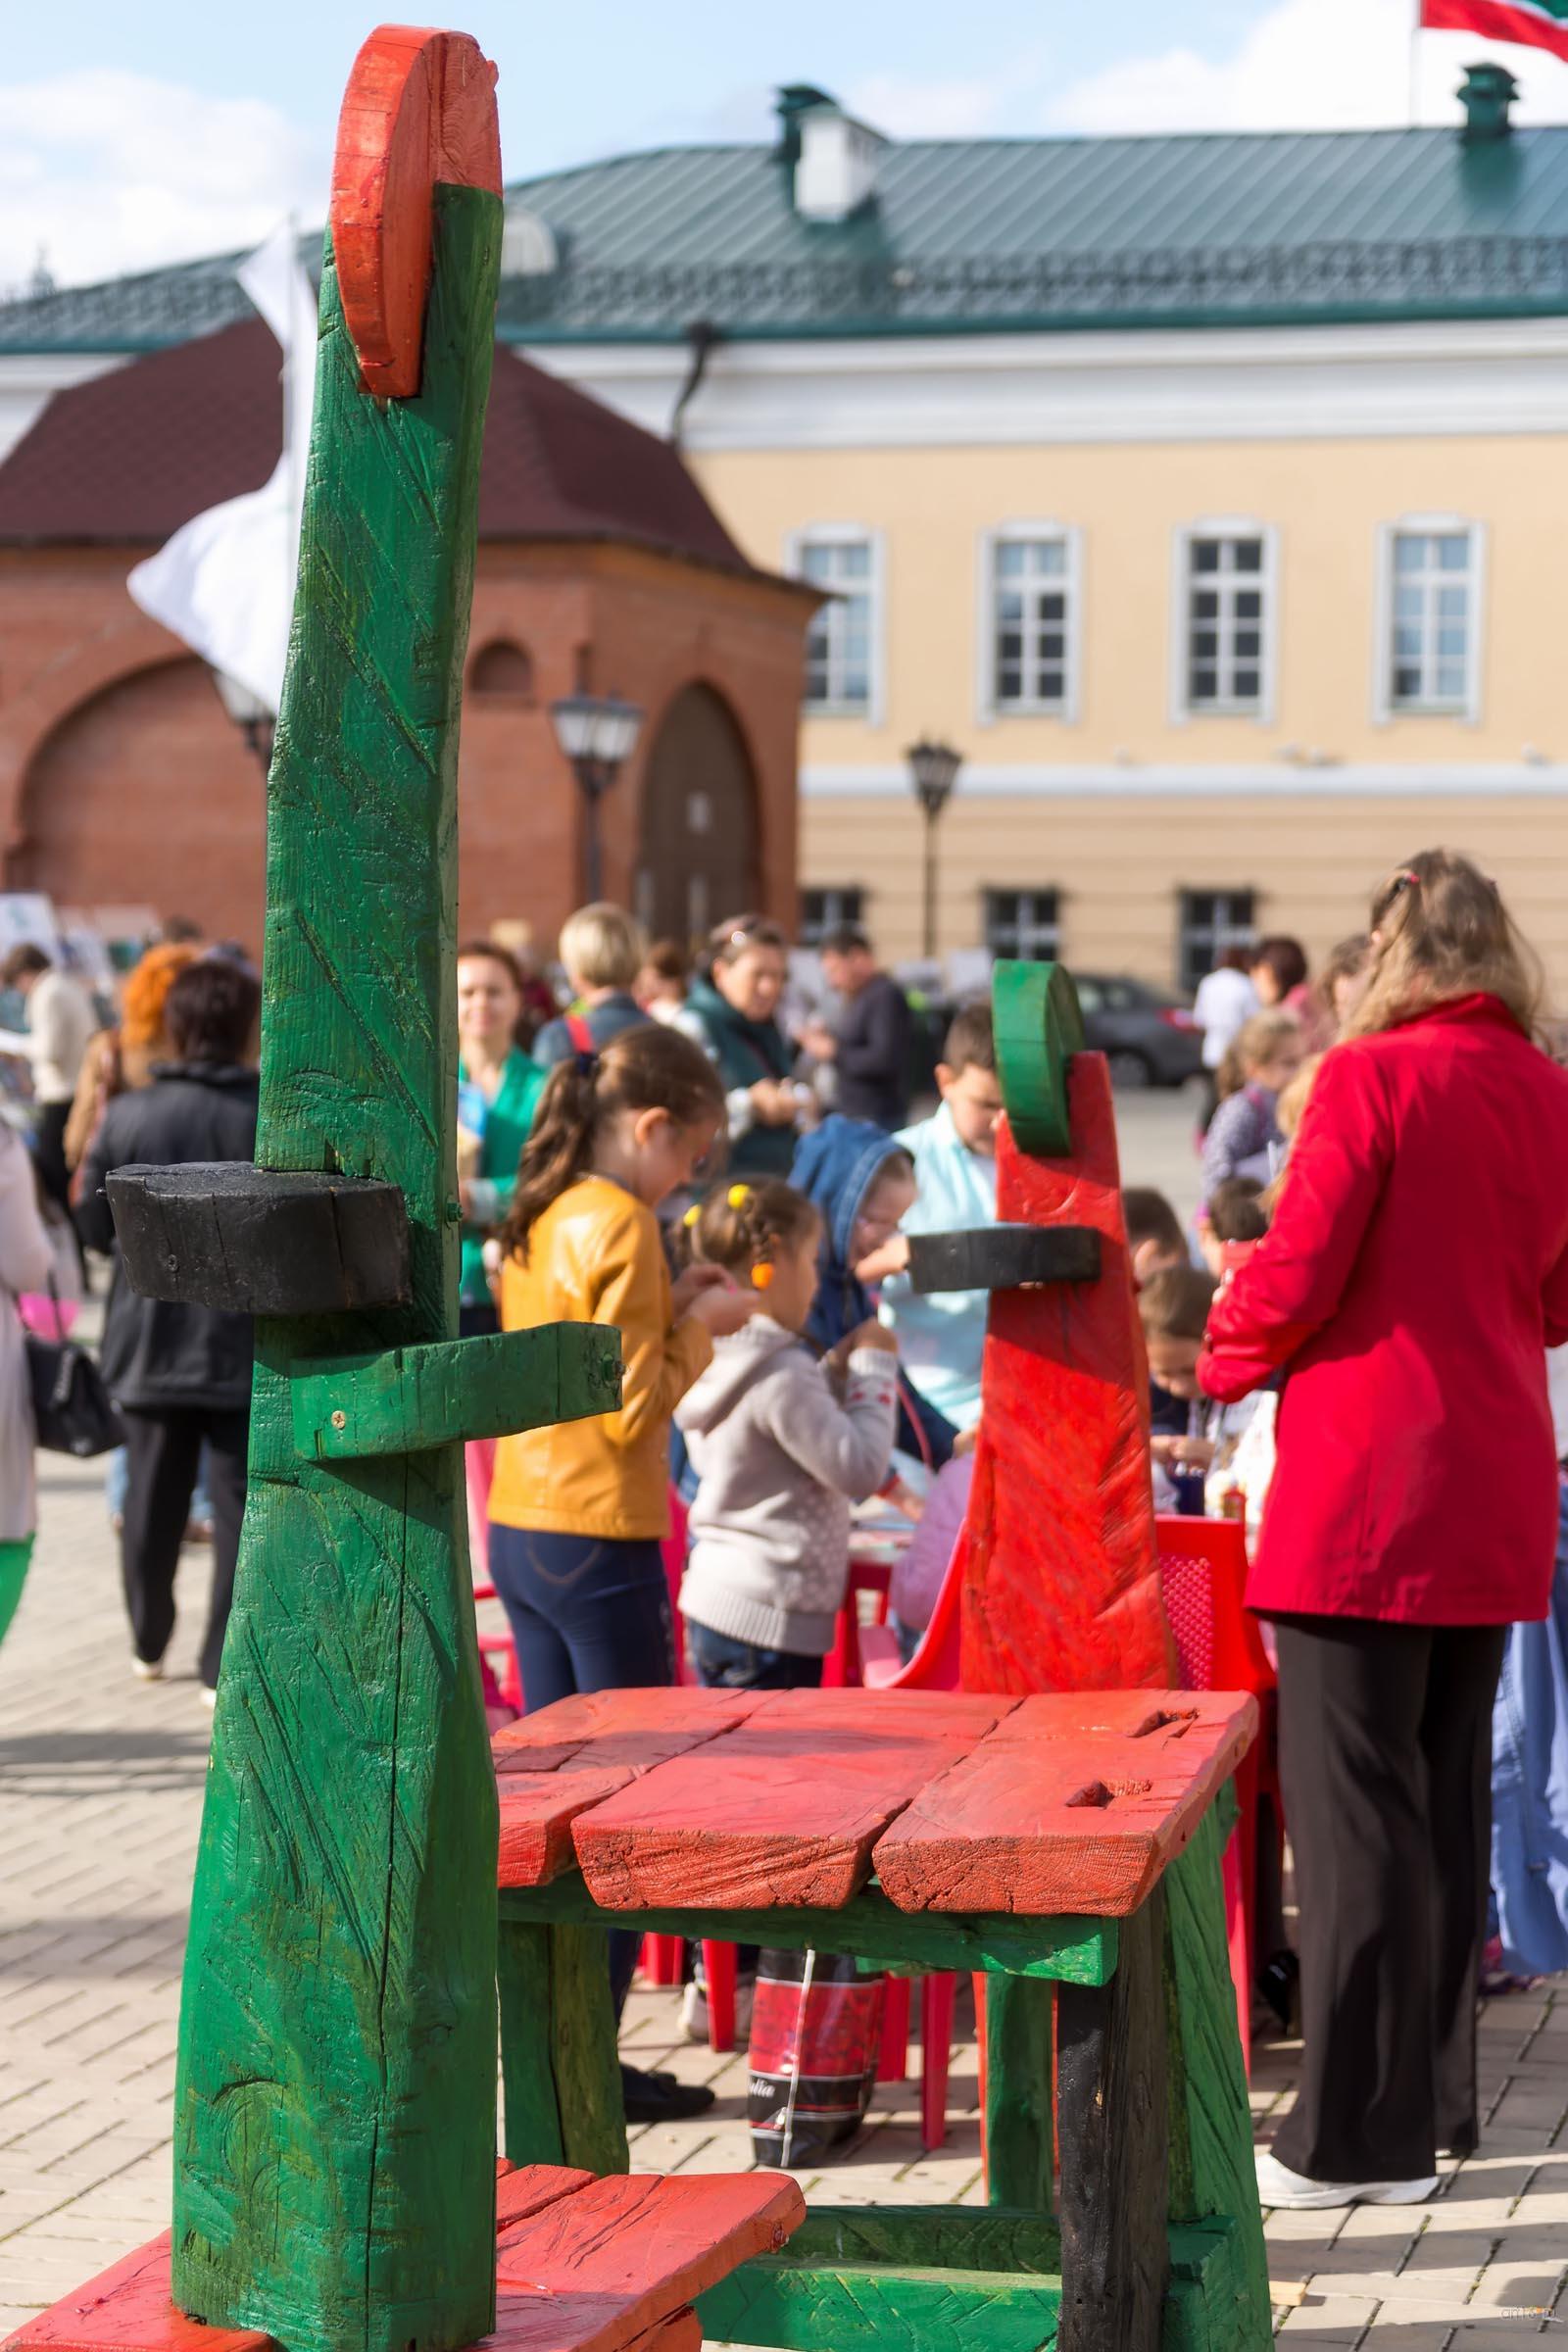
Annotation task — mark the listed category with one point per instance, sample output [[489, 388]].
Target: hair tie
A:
[[692, 1217], [1408, 879], [587, 1064], [761, 1275], [738, 1195]]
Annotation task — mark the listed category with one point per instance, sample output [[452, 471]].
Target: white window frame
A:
[[989, 709], [1223, 526], [851, 534], [833, 917], [1026, 890], [1384, 709]]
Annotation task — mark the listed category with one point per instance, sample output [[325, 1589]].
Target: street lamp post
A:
[[934, 770], [598, 733], [255, 722]]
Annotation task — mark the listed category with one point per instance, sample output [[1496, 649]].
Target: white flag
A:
[[225, 581]]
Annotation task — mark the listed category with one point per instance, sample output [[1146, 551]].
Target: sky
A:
[[132, 135]]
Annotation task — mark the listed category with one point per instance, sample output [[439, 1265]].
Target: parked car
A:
[[1149, 1036]]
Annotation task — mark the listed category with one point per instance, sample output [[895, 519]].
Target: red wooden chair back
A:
[[1202, 1578]]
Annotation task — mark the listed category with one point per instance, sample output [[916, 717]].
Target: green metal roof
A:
[[985, 234]]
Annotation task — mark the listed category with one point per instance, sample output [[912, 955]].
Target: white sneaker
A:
[[694, 2011], [147, 1670], [1282, 2191]]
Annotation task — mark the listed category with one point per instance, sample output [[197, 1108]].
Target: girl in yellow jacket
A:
[[578, 1511]]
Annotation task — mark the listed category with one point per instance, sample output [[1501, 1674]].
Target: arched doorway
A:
[[698, 858], [146, 796]]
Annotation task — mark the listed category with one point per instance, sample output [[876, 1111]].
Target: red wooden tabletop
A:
[[720, 1800]]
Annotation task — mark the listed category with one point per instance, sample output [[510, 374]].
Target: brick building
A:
[[601, 567]]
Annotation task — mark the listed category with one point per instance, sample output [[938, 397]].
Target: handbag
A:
[[71, 1406]]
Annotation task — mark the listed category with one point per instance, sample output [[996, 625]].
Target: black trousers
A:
[[163, 1453], [1386, 1768]]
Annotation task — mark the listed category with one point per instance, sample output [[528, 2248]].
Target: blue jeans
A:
[[723, 1664], [586, 1614]]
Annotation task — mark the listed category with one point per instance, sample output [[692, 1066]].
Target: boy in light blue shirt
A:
[[942, 1335]]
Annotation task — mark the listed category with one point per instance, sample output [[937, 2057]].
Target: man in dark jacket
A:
[[868, 1044], [180, 1375]]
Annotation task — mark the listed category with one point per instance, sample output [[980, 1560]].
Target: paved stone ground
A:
[[100, 1790]]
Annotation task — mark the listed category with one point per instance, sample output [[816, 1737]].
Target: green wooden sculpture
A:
[[335, 2112]]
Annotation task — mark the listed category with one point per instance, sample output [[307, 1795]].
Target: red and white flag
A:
[[1538, 23]]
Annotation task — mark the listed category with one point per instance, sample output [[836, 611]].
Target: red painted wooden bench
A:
[[1066, 1844], [581, 2266]]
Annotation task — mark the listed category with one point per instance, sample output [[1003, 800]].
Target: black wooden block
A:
[[261, 1242], [1004, 1257]]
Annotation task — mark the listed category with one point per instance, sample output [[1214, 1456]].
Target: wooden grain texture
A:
[[334, 2111], [1019, 2073], [260, 1240], [537, 1812], [128, 2309], [1061, 1576], [420, 109], [1212, 2162], [1079, 1951], [849, 2306], [1038, 1027], [1053, 1814], [939, 2238], [783, 1810], [624, 2254], [522, 2189], [634, 1728], [1113, 2125], [408, 1399], [531, 2107], [583, 2052]]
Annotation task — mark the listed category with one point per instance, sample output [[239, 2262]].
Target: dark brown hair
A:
[[1174, 1303], [210, 1012], [496, 953], [646, 1068], [728, 941], [20, 961], [1286, 958], [1444, 932], [971, 1041], [1236, 1211], [669, 959], [1150, 1217], [742, 1225]]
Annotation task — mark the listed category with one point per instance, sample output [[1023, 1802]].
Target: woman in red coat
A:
[[1416, 1272]]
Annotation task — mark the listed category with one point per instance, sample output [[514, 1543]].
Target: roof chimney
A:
[[1485, 94], [833, 158]]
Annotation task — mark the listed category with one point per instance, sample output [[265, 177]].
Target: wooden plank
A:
[[260, 1240], [682, 2333], [1003, 1258], [841, 2308], [782, 1811], [1112, 2117], [537, 1813], [334, 2108], [531, 2109], [406, 1400], [1212, 2162], [631, 1728], [1052, 1815], [623, 2255], [583, 2050], [128, 2309], [934, 2237], [1061, 1575], [522, 2189], [1019, 2075], [1080, 1951]]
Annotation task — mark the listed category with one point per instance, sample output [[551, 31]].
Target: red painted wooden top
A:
[[419, 106], [1070, 1802], [581, 2266]]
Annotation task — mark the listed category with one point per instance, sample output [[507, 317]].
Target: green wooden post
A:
[[335, 2102]]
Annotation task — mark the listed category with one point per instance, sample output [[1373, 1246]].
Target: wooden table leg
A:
[[561, 2079], [1019, 2150], [1111, 2116]]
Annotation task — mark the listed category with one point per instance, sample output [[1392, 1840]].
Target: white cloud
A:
[[106, 171], [949, 109], [1306, 65]]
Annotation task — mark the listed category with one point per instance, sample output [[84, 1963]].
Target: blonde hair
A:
[[1443, 931], [1262, 1038], [602, 946], [648, 1069]]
